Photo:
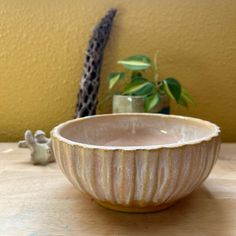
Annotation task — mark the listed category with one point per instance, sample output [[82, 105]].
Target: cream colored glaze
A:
[[124, 130], [136, 178]]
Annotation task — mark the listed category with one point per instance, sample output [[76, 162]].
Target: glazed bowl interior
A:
[[136, 130]]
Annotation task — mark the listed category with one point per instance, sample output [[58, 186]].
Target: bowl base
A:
[[131, 209]]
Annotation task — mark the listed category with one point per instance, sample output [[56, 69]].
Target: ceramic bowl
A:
[[136, 162]]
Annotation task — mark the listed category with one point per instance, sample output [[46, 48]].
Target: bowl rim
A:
[[55, 133]]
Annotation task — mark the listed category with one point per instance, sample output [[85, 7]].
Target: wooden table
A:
[[36, 200]]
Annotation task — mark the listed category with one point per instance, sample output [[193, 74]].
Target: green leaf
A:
[[138, 88], [186, 96], [114, 78], [137, 62], [136, 76], [182, 101], [149, 89], [172, 88], [151, 102]]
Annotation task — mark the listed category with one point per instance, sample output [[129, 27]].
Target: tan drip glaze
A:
[[136, 162]]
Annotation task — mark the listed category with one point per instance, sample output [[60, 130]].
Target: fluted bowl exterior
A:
[[139, 180]]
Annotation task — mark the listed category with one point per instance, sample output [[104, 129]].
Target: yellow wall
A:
[[42, 44]]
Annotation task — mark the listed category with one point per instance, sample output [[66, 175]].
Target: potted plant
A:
[[142, 94]]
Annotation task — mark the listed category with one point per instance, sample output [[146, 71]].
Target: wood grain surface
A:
[[39, 201]]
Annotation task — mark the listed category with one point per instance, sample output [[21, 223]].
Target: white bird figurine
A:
[[40, 146]]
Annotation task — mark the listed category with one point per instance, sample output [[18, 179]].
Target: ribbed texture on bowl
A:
[[137, 178]]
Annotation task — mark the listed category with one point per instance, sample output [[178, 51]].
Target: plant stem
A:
[[156, 76]]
